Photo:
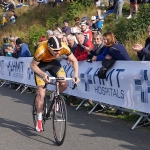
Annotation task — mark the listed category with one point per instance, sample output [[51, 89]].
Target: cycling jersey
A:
[[42, 54]]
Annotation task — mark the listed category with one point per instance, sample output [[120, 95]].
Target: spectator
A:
[[22, 49], [75, 30], [4, 21], [64, 39], [71, 43], [85, 19], [66, 29], [99, 20], [42, 38], [84, 45], [115, 50], [133, 6], [77, 22], [13, 41], [143, 53], [58, 27], [94, 24], [5, 46], [86, 31], [99, 52], [49, 33], [11, 5], [56, 33], [12, 18], [118, 8]]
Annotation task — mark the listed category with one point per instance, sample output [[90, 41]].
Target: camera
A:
[[89, 60]]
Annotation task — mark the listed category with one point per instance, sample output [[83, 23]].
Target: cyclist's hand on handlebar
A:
[[76, 80], [46, 78]]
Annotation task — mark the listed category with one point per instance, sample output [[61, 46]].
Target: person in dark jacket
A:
[[97, 54], [22, 49], [115, 50], [143, 53]]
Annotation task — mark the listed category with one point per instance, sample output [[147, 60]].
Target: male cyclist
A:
[[45, 59]]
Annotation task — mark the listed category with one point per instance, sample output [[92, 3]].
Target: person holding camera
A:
[[83, 47]]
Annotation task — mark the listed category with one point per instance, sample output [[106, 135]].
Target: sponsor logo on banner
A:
[[143, 85], [2, 67], [106, 87], [15, 69], [30, 73]]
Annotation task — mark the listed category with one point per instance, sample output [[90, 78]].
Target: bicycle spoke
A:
[[59, 120]]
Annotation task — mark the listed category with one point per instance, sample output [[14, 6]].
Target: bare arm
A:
[[36, 69], [74, 61]]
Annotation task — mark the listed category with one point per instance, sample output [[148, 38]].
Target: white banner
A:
[[127, 84]]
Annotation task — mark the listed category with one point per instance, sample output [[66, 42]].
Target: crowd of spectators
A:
[[85, 39]]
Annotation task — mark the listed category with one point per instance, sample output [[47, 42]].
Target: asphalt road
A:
[[84, 132]]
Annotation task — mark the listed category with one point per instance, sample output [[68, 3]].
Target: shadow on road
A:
[[23, 130], [98, 124]]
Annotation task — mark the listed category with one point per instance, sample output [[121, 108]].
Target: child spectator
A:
[[4, 21], [94, 24], [85, 19], [12, 18], [99, 20], [86, 31], [77, 22]]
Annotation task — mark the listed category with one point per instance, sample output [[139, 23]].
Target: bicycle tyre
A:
[[34, 112], [59, 117]]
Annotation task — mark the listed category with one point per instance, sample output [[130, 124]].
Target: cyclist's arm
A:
[[74, 61], [36, 69]]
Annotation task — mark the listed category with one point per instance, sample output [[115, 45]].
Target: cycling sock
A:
[[39, 116]]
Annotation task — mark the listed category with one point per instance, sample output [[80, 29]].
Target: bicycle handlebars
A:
[[60, 78]]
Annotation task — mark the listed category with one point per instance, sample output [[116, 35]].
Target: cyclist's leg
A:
[[40, 96], [58, 71], [39, 102]]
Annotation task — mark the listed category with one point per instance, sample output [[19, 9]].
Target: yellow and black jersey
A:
[[42, 54]]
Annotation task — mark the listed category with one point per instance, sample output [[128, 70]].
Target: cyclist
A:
[[45, 59]]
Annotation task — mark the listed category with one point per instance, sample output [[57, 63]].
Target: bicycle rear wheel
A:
[[59, 120], [34, 111]]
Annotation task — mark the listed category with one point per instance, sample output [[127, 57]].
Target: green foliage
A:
[[86, 2], [53, 19], [35, 32], [132, 29], [73, 9]]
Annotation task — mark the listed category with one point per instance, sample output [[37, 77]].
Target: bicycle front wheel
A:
[[59, 120]]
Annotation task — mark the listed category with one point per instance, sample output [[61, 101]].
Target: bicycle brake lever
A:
[[75, 85]]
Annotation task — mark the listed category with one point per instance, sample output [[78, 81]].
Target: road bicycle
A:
[[57, 107]]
